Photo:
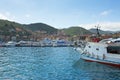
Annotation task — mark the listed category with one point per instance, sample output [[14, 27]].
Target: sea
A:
[[51, 63]]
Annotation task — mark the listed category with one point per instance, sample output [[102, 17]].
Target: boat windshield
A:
[[113, 49]]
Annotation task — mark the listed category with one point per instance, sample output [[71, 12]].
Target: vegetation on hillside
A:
[[93, 30], [75, 30], [41, 27], [8, 28]]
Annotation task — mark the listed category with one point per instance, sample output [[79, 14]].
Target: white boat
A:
[[102, 52], [10, 44]]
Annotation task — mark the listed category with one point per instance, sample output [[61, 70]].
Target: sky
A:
[[64, 13]]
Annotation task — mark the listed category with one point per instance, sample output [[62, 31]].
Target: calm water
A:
[[36, 63]]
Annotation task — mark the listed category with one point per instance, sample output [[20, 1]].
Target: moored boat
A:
[[10, 44], [105, 53]]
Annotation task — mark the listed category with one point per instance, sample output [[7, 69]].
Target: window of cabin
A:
[[113, 49], [97, 49], [89, 46]]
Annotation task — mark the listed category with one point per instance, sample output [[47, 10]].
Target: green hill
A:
[[9, 28], [41, 27], [93, 30], [75, 30]]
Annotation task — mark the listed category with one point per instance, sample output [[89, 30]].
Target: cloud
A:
[[27, 15], [2, 16], [113, 26], [15, 18], [7, 16], [104, 13]]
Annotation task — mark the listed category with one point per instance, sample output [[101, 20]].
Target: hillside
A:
[[41, 27], [9, 28], [75, 30], [93, 30]]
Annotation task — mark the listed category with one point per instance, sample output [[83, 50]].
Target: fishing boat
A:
[[106, 51], [102, 53]]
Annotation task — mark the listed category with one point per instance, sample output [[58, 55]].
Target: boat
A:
[[11, 44], [60, 43], [106, 52]]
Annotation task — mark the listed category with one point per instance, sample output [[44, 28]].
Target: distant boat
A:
[[60, 43], [10, 44], [23, 44], [105, 52]]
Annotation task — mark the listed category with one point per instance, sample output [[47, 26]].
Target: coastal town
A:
[[42, 39], [12, 35]]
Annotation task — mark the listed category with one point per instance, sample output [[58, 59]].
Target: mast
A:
[[97, 29]]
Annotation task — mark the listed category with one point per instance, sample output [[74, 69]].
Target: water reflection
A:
[[97, 71]]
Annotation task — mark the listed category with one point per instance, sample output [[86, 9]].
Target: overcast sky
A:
[[63, 13]]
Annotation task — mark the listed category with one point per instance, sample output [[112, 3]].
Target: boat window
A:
[[117, 41], [89, 46], [113, 49], [97, 49]]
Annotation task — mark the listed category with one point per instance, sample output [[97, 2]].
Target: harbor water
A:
[[51, 63]]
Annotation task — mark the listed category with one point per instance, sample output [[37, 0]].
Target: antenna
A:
[[97, 28]]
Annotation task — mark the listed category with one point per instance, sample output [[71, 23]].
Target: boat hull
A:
[[106, 62]]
